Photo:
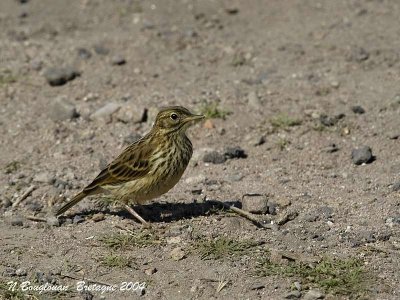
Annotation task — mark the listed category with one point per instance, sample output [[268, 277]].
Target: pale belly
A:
[[142, 190]]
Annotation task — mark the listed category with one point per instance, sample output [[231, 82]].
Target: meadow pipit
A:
[[149, 167]]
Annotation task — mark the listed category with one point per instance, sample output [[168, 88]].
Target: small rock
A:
[[293, 295], [392, 221], [99, 49], [254, 100], [53, 221], [232, 10], [394, 135], [177, 254], [9, 272], [234, 152], [150, 271], [57, 76], [362, 155], [84, 53], [5, 203], [256, 140], [313, 295], [131, 114], [255, 203], [195, 180], [328, 120], [396, 186], [61, 109], [17, 221], [357, 109], [174, 240], [208, 124], [20, 272], [44, 177], [272, 206], [235, 177], [105, 112], [297, 285], [78, 219], [358, 54], [118, 60], [98, 217], [214, 157]]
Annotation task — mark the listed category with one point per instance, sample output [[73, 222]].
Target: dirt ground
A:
[[297, 84]]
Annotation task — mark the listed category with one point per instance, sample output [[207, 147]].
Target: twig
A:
[[244, 213], [36, 219], [24, 196], [85, 279]]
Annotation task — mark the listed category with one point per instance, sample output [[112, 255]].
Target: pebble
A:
[[358, 54], [362, 155], [297, 285], [256, 140], [78, 219], [9, 272], [177, 254], [195, 180], [208, 124], [131, 114], [329, 120], [396, 186], [5, 203], [293, 295], [105, 112], [214, 157], [101, 50], [254, 100], [20, 272], [98, 217], [17, 221], [392, 221], [357, 109], [255, 203], [150, 271], [394, 135], [84, 53], [272, 206], [313, 295], [44, 177], [234, 152], [61, 109], [118, 60], [53, 221], [57, 76], [235, 177]]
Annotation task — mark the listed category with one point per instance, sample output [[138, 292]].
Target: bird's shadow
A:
[[167, 212]]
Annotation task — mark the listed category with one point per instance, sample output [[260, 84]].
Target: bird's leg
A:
[[137, 216]]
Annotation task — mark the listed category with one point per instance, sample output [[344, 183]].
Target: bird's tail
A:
[[72, 202]]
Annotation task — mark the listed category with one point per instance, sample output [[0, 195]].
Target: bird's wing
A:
[[133, 163]]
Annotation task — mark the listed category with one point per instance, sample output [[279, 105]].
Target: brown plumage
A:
[[149, 167]]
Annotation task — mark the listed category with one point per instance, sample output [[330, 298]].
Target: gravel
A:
[[62, 109]]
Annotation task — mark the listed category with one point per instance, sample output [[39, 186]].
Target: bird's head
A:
[[175, 119]]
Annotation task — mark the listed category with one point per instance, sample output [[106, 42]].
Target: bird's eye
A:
[[174, 116]]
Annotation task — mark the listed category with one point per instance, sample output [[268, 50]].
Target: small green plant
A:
[[212, 111], [282, 143], [223, 247], [116, 261], [284, 121], [6, 77], [126, 241], [336, 276], [12, 167]]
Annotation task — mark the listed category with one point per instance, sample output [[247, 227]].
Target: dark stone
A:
[[272, 206], [327, 120], [84, 53], [234, 152], [362, 155], [78, 219], [118, 60], [101, 50], [59, 76], [357, 109], [214, 157], [396, 186]]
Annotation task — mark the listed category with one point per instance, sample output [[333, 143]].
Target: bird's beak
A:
[[194, 118]]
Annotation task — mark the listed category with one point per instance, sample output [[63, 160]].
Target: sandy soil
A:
[[297, 84]]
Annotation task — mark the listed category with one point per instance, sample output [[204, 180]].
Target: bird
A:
[[148, 167]]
